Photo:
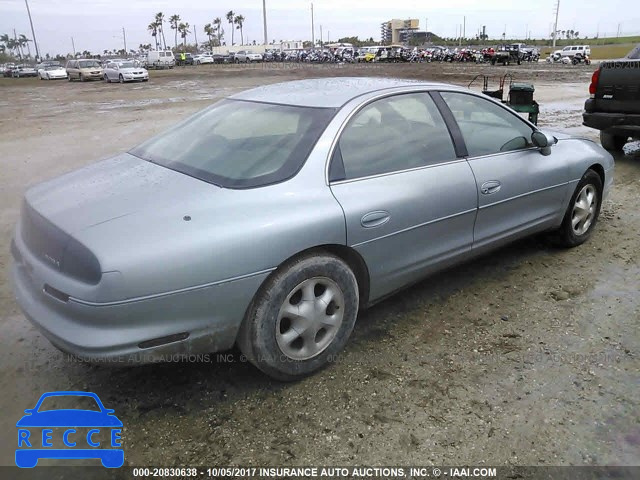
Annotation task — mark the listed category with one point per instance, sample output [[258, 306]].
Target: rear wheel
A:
[[612, 142], [121, 79], [106, 78], [583, 211], [81, 78], [301, 317]]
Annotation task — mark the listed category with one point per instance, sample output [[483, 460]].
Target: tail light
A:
[[594, 83]]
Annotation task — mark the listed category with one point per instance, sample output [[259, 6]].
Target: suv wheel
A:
[[612, 142]]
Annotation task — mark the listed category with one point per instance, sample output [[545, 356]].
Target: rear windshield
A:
[[635, 53], [239, 144]]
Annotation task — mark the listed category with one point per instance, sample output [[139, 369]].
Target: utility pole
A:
[[464, 28], [264, 21], [555, 25], [321, 38], [73, 45], [33, 32], [195, 34], [124, 38], [313, 36]]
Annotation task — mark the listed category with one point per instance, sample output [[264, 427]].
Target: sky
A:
[[96, 25]]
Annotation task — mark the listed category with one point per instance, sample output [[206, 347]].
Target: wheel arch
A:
[[599, 169], [347, 254]]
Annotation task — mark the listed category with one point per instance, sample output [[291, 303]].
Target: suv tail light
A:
[[594, 83]]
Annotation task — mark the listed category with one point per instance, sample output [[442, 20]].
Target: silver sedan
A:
[[125, 71], [270, 219]]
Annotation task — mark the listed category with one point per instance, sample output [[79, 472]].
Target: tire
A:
[[106, 78], [612, 142], [121, 79], [69, 78], [582, 213], [267, 337], [82, 79]]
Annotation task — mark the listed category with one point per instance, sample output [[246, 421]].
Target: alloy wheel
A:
[[584, 209]]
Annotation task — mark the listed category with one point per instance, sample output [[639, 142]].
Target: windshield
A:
[[126, 65], [635, 53], [52, 67], [89, 64], [239, 144]]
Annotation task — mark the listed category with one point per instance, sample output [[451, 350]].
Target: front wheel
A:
[[106, 78], [612, 142], [301, 317], [121, 79], [583, 211]]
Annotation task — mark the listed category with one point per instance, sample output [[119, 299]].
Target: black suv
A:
[[614, 106]]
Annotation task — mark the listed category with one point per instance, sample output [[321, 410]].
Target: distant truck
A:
[[614, 106]]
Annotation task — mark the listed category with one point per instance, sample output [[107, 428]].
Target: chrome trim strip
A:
[[523, 195], [173, 292], [415, 226]]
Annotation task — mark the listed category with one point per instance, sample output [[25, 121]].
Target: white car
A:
[[572, 50], [202, 58], [125, 71], [52, 72], [246, 56]]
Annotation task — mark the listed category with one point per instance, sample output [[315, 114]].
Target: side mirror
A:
[[543, 141]]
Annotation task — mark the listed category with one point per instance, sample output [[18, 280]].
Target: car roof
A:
[[325, 92]]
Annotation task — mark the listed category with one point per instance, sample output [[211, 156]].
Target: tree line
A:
[[214, 30]]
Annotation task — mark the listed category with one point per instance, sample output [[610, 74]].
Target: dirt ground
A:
[[528, 356]]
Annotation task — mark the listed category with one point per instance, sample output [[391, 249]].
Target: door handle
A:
[[492, 186], [375, 219]]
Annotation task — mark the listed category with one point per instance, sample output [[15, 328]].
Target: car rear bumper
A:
[[165, 327], [628, 123]]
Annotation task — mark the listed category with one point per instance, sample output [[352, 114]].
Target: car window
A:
[[393, 134], [487, 127], [635, 53], [68, 402], [240, 144]]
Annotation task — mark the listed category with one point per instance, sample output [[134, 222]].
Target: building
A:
[[398, 31]]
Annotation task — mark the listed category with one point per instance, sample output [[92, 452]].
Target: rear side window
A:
[[393, 134], [486, 127]]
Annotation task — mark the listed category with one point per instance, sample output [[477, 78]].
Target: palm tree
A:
[[217, 22], [174, 21], [230, 16], [153, 28], [239, 21], [208, 30], [160, 22], [23, 40], [183, 28]]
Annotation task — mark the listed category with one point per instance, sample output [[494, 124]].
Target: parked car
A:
[[8, 70], [52, 72], [188, 59], [247, 56], [614, 106], [291, 207], [571, 50], [221, 58], [160, 59], [203, 58], [22, 71], [125, 71], [84, 70]]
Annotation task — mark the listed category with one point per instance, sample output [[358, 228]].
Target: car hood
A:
[[69, 418], [131, 69]]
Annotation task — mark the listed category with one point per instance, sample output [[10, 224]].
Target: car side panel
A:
[[431, 213]]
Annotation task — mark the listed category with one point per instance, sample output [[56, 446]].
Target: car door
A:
[[519, 189], [409, 200]]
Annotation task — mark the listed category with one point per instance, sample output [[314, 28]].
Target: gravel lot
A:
[[528, 356]]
